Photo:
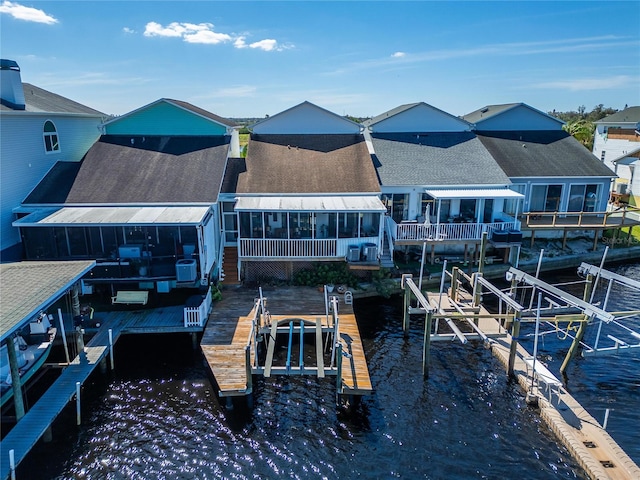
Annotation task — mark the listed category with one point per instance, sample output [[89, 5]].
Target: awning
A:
[[474, 193], [310, 204], [113, 216]]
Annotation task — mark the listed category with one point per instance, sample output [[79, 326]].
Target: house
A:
[[617, 144], [306, 192], [553, 171], [439, 183], [143, 201], [39, 129]]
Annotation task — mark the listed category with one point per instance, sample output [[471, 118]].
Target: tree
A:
[[582, 130]]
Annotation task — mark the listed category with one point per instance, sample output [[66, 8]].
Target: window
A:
[[545, 198], [583, 198], [397, 206], [602, 155], [50, 137]]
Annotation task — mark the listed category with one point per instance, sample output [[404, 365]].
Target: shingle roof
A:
[[488, 112], [542, 154], [135, 169], [455, 158], [235, 166], [55, 186], [297, 164], [389, 113], [628, 115], [40, 100], [28, 287]]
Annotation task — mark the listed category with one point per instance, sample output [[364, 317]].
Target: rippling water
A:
[[158, 416]]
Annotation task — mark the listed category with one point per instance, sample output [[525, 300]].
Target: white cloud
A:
[[27, 13], [584, 84], [128, 30], [399, 55], [267, 45], [154, 29], [206, 36]]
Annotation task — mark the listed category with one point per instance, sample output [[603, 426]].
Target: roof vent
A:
[[11, 92]]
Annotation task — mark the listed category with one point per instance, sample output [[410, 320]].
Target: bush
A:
[[325, 274]]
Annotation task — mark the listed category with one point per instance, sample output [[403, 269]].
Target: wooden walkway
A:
[[228, 333], [26, 433]]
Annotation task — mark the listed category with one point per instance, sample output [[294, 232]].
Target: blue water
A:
[[158, 416]]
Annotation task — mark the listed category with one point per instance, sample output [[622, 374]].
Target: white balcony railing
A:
[[446, 231], [301, 248]]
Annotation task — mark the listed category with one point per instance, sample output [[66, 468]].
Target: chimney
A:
[[11, 92]]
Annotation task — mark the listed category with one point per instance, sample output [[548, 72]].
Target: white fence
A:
[[197, 316]]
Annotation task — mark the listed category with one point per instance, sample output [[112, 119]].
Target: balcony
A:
[[414, 232], [276, 248]]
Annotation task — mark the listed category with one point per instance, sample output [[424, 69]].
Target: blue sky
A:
[[359, 58]]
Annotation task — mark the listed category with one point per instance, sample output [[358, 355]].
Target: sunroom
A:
[[170, 246], [307, 227]]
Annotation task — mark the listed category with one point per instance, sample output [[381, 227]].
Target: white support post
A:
[[78, 419], [111, 360], [12, 464], [64, 337]]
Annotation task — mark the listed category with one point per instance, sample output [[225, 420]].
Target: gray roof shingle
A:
[[39, 100], [450, 158], [628, 115], [126, 169], [542, 154], [294, 164]]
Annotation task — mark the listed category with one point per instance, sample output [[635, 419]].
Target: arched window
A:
[[50, 137]]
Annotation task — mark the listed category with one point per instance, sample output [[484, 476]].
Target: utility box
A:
[[353, 254], [186, 270], [370, 252]]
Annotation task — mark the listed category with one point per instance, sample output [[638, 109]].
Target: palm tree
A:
[[582, 130]]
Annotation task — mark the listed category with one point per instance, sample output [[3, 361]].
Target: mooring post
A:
[[583, 326], [12, 464], [47, 436], [16, 380], [407, 303], [427, 343], [247, 359], [606, 418], [455, 273], [338, 371], [515, 332], [78, 419], [111, 349]]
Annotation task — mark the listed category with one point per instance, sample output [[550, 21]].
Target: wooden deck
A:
[[24, 435], [228, 333]]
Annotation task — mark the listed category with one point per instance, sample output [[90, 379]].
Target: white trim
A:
[[474, 193], [310, 204]]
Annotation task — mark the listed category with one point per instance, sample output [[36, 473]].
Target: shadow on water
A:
[[158, 417]]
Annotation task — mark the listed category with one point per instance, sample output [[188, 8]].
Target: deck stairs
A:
[[386, 259], [230, 266]]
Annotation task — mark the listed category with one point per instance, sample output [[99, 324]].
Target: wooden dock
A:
[[227, 340], [26, 433]]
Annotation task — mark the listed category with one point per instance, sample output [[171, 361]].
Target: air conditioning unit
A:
[[370, 252], [353, 254], [186, 270]]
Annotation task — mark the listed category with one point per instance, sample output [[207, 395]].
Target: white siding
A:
[[519, 118], [421, 118], [306, 118], [23, 161]]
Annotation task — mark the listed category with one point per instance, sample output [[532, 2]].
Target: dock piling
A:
[[606, 418], [12, 464], [427, 343], [64, 336], [78, 419], [111, 349]]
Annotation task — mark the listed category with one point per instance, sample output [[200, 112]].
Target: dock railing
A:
[[197, 316]]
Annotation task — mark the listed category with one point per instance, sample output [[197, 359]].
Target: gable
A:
[[306, 118], [418, 118], [518, 118], [164, 118]]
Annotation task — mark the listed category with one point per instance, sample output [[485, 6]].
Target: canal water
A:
[[158, 416]]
